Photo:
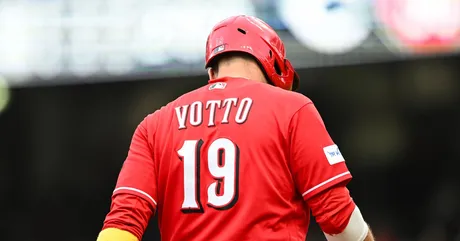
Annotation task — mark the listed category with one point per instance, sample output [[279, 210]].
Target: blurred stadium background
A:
[[77, 76]]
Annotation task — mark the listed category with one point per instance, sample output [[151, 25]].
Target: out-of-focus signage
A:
[[420, 26], [328, 26], [46, 40], [117, 37]]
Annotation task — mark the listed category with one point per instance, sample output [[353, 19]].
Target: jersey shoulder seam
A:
[[297, 111]]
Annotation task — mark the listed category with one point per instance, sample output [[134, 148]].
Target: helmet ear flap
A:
[[294, 79], [283, 75]]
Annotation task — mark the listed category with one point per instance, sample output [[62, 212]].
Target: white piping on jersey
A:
[[138, 191], [324, 183]]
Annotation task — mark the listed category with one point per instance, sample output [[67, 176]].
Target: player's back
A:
[[221, 160]]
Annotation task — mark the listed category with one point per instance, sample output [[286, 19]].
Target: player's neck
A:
[[254, 74]]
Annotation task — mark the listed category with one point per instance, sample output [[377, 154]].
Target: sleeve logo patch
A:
[[333, 154]]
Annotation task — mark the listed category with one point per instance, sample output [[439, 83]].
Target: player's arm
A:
[[134, 197], [321, 175], [339, 217]]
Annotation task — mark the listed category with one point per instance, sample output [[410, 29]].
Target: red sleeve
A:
[[138, 175], [332, 209], [130, 213], [315, 161], [134, 197]]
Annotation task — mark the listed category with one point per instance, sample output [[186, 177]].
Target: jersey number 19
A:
[[223, 164]]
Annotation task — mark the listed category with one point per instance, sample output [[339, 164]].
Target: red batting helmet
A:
[[253, 36]]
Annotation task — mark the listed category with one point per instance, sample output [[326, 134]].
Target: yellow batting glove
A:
[[115, 234]]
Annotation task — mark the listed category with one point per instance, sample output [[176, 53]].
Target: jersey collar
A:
[[223, 79]]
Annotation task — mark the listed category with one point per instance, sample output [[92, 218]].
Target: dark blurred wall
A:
[[61, 148]]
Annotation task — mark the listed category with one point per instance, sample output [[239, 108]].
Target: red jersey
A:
[[233, 160]]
